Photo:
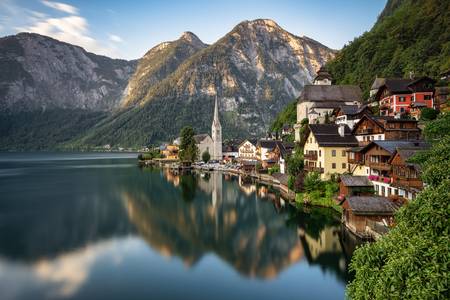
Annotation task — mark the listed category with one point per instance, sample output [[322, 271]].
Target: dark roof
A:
[[349, 109], [267, 143], [398, 85], [327, 104], [407, 152], [391, 145], [371, 205], [200, 137], [328, 135], [322, 74], [343, 93], [349, 180]]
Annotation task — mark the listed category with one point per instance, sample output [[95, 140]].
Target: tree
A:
[[436, 128], [188, 146], [412, 261], [206, 156], [428, 114], [312, 182]]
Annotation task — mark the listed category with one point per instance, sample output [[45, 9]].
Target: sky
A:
[[128, 29]]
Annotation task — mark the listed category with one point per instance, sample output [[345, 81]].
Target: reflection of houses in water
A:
[[171, 177], [249, 235], [246, 185]]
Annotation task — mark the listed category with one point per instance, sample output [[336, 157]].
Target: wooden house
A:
[[362, 211], [379, 128], [405, 175], [355, 186]]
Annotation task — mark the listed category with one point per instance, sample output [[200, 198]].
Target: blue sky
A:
[[127, 29]]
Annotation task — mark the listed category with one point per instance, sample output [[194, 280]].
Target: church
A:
[[213, 143]]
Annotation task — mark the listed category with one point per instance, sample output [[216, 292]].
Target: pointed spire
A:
[[216, 112]]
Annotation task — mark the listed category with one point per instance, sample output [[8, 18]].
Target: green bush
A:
[[312, 182], [428, 114], [206, 156]]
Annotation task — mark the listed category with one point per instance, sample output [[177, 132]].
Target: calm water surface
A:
[[95, 226]]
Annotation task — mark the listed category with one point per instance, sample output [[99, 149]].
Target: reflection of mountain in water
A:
[[245, 232]]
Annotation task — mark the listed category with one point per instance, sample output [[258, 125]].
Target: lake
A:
[[96, 226]]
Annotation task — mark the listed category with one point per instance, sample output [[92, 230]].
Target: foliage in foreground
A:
[[413, 260]]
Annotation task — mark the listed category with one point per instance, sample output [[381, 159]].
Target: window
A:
[[383, 191], [320, 153], [402, 109], [343, 166], [333, 153], [343, 153], [333, 166], [379, 137], [401, 99], [427, 97]]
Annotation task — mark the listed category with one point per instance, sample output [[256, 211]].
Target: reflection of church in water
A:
[[240, 228]]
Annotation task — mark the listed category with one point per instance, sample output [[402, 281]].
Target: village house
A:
[[230, 150], [350, 114], [377, 157], [170, 151], [247, 150], [269, 152], [325, 149], [318, 101], [405, 175], [380, 128], [362, 213], [355, 186], [397, 96]]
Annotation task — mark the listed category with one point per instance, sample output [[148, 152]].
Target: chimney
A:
[[341, 130]]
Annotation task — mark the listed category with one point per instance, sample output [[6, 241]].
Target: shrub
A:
[[428, 114], [206, 156]]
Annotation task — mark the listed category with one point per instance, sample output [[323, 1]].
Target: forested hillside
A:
[[409, 36]]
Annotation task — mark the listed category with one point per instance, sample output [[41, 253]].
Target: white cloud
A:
[[61, 7], [115, 38]]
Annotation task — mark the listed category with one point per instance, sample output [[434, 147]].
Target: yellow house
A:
[[170, 152], [325, 150]]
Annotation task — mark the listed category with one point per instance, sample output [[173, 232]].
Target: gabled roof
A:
[[372, 205], [349, 180], [251, 141], [269, 144], [200, 137], [327, 135], [381, 121], [406, 153], [391, 145], [341, 93]]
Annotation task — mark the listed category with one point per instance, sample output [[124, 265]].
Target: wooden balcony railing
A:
[[358, 161], [380, 166], [310, 156], [366, 131]]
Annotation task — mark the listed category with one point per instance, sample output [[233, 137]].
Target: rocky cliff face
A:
[[40, 73], [254, 70], [158, 63]]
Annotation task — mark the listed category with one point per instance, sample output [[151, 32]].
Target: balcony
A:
[[366, 131], [383, 179], [407, 182], [380, 166], [310, 156], [313, 169]]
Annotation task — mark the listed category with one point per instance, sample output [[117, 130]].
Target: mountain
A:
[[53, 91], [158, 63], [44, 73], [254, 70], [409, 36]]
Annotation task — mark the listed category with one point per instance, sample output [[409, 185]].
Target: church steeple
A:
[[216, 133]]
